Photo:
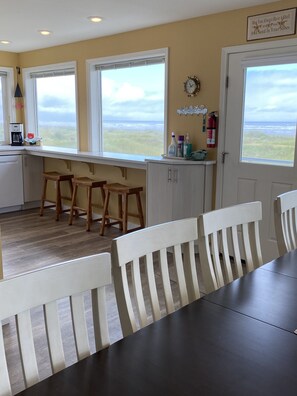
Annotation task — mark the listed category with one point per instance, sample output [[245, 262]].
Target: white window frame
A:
[[94, 94], [8, 103], [31, 121]]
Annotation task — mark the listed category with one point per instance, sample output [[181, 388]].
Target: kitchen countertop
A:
[[97, 157]]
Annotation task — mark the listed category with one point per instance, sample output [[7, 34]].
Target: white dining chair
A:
[[145, 277], [1, 261], [285, 221], [229, 243], [43, 288]]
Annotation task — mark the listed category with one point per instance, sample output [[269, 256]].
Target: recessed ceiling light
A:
[[45, 32], [5, 42], [95, 19]]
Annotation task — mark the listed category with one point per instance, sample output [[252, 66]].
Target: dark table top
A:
[[285, 265], [238, 340], [202, 349], [262, 294]]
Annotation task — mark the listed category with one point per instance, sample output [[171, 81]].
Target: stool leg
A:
[[43, 197], [58, 200], [73, 203], [103, 200], [120, 214], [89, 208], [71, 194], [140, 212], [125, 213], [105, 211]]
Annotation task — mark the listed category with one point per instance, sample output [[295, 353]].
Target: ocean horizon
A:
[[285, 128]]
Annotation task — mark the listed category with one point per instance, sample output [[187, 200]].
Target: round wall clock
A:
[[192, 85]]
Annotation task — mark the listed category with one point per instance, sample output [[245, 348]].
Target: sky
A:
[[56, 99], [132, 93], [271, 93], [129, 93]]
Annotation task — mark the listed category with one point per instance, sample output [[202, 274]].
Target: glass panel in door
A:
[[269, 115]]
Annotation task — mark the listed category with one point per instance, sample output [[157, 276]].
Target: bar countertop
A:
[[95, 157]]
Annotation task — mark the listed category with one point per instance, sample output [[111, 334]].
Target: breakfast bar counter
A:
[[175, 188], [95, 157]]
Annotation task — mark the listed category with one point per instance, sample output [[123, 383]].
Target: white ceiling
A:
[[20, 20]]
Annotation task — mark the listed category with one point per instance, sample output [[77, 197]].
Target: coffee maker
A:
[[16, 134]]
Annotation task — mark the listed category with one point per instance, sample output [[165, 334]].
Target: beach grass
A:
[[133, 142], [147, 142], [258, 144]]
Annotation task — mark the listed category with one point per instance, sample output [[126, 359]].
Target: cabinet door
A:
[[188, 191], [32, 173], [159, 193], [11, 178]]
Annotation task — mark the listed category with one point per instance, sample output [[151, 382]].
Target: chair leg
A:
[[43, 197], [140, 212], [105, 211]]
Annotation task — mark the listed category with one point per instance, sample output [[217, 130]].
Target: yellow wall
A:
[[194, 48]]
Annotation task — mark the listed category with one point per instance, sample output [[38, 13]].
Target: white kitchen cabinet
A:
[[11, 182], [32, 174], [177, 189]]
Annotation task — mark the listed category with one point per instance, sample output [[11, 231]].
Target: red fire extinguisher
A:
[[211, 130]]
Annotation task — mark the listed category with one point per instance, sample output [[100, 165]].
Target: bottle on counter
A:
[[172, 149], [180, 146], [187, 146]]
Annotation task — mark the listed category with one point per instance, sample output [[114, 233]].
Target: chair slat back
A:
[[228, 238], [43, 288], [147, 294], [285, 221]]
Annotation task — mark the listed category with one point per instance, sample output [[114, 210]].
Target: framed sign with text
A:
[[273, 24]]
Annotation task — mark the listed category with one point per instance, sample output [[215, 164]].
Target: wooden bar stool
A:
[[57, 178], [89, 184], [123, 193]]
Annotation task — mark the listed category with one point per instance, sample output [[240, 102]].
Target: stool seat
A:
[[123, 193], [57, 178], [89, 184], [121, 188]]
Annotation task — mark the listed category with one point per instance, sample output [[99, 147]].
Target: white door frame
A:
[[226, 52]]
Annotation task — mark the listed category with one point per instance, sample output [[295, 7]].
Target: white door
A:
[[258, 148]]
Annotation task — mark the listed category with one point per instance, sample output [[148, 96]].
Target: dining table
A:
[[237, 340]]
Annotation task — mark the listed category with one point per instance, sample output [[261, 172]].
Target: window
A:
[[128, 103], [51, 104], [6, 110], [270, 114]]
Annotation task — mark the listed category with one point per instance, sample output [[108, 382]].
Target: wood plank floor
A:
[[30, 242]]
